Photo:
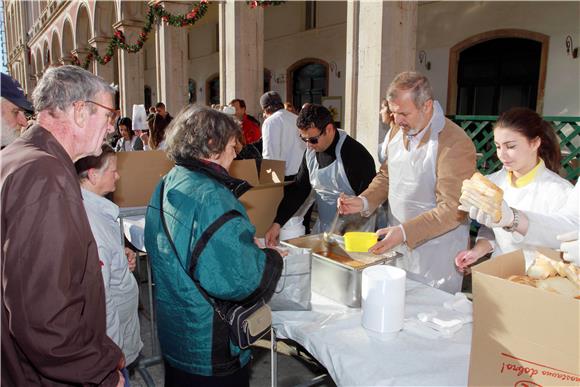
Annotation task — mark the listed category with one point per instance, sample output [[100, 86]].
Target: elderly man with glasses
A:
[[53, 320], [333, 163]]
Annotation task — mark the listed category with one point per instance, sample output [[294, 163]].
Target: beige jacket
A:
[[455, 163]]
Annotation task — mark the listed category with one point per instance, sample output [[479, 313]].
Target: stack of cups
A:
[[383, 299]]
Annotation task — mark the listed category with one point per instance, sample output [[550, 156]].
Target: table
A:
[[354, 356]]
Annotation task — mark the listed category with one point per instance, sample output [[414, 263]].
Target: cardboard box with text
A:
[[522, 336]]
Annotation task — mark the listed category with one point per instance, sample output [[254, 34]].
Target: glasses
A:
[[113, 114], [312, 140]]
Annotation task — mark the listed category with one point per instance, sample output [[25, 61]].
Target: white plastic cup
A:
[[383, 298]]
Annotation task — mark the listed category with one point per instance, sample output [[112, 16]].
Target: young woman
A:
[[129, 141], [529, 151]]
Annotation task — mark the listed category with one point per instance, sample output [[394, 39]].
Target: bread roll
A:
[[559, 285], [523, 279], [542, 267], [482, 193]]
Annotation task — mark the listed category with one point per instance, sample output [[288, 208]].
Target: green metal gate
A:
[[480, 130]]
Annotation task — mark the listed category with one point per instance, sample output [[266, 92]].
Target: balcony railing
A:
[[480, 130]]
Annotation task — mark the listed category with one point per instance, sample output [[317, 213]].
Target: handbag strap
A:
[[198, 248]]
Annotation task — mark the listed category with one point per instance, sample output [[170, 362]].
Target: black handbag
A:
[[247, 324]]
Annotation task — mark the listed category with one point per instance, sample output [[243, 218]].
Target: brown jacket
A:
[[53, 301], [455, 163]]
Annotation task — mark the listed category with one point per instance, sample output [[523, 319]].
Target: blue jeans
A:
[[126, 376]]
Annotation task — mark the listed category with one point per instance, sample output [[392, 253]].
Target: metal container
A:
[[337, 274]]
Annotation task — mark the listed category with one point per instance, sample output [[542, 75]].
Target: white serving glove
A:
[[507, 216], [570, 247]]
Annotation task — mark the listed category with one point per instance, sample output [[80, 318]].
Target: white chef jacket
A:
[[546, 193], [281, 140], [544, 227], [121, 289]]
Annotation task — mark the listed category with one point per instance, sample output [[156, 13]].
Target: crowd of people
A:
[[69, 298]]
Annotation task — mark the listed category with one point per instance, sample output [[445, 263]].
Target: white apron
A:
[[412, 180], [328, 183]]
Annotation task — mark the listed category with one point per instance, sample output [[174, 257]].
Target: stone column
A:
[[131, 68], [171, 60], [106, 71], [241, 34], [381, 42]]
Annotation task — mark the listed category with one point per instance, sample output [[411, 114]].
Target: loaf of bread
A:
[[480, 192], [550, 275]]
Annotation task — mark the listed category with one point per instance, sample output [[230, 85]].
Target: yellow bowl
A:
[[359, 242]]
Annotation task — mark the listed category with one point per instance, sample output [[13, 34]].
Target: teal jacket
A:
[[230, 267]]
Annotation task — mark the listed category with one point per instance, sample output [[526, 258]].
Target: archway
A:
[[495, 70], [307, 81], [105, 17], [55, 52], [83, 28], [67, 41], [38, 64], [45, 56]]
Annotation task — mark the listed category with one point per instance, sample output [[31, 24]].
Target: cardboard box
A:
[[522, 336], [140, 173], [261, 202]]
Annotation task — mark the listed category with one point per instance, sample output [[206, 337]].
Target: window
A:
[[147, 98], [310, 20], [213, 90], [267, 80], [309, 83], [498, 74], [191, 91]]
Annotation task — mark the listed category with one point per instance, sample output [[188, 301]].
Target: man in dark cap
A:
[[13, 104]]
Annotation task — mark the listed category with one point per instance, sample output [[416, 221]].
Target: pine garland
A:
[[156, 13], [263, 4]]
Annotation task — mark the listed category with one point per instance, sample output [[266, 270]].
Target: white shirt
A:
[[281, 140], [544, 227], [546, 194], [121, 289]]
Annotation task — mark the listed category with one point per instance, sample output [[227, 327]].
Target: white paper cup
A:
[[383, 298]]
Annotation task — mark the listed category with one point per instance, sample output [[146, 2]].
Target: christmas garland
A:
[[263, 4], [155, 13]]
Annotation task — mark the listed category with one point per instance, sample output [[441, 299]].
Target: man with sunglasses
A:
[[333, 163], [53, 302], [14, 107]]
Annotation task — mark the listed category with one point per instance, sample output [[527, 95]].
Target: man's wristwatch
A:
[[516, 221]]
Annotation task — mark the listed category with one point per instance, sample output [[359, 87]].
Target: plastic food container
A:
[[359, 242]]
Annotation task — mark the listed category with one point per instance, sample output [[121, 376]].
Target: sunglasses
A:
[[113, 114], [312, 140]]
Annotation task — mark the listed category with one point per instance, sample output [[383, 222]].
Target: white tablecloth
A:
[[354, 356]]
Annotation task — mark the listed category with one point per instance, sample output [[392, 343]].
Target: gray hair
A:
[[199, 132], [61, 86], [412, 81]]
